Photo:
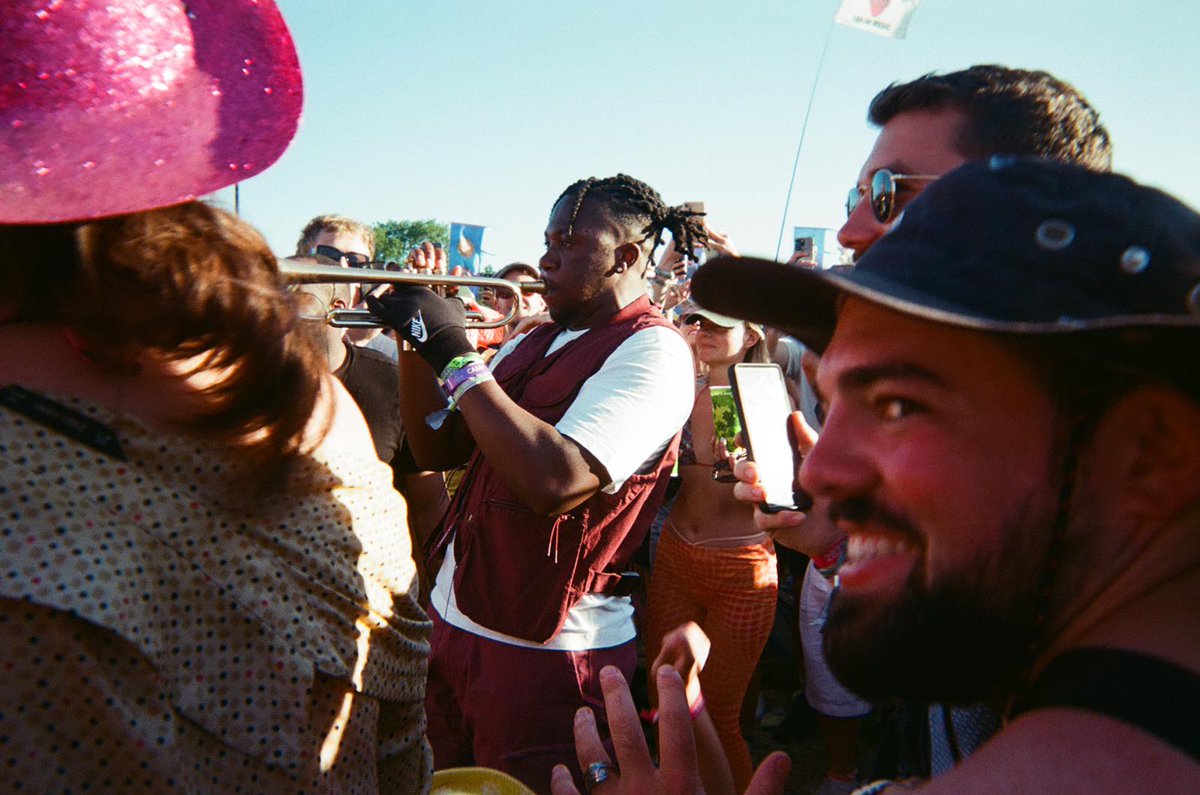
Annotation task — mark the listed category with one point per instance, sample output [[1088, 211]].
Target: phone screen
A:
[[764, 407]]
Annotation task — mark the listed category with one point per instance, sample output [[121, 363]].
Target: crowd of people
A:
[[247, 550]]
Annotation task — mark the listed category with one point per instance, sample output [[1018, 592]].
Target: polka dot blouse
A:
[[165, 632]]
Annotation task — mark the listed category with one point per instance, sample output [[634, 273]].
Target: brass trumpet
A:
[[304, 273]]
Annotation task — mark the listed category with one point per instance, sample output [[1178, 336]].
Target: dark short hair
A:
[[1010, 111]]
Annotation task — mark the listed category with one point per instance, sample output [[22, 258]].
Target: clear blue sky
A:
[[483, 112]]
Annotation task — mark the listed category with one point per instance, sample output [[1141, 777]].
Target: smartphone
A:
[[726, 427], [763, 405], [804, 247]]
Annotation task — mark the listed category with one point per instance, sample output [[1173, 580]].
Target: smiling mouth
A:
[[864, 547], [876, 562]]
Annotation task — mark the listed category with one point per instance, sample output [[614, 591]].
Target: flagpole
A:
[[803, 129]]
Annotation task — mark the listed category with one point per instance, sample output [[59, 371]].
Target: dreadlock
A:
[[638, 206]]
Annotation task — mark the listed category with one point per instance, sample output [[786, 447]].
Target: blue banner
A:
[[466, 245]]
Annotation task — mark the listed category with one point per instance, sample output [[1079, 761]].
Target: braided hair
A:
[[639, 207]]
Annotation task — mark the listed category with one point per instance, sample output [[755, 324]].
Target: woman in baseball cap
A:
[[207, 593], [712, 565]]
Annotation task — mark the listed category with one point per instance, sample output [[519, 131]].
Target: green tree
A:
[[394, 239]]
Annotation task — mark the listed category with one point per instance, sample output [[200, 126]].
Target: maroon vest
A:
[[519, 573]]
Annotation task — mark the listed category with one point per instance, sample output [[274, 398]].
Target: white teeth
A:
[[865, 547]]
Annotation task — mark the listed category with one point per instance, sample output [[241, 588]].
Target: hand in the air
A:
[[427, 258], [634, 771]]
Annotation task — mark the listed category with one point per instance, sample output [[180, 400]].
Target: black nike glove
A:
[[434, 326]]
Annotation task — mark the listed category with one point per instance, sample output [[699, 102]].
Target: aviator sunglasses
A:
[[883, 193], [353, 258]]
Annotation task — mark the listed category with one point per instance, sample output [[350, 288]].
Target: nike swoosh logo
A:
[[417, 330]]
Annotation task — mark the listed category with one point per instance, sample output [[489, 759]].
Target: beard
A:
[[963, 637]]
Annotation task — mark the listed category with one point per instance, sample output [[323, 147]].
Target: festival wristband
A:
[[470, 384], [457, 363], [461, 375], [828, 564], [472, 371], [437, 419]]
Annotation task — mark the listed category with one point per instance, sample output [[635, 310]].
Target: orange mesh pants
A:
[[730, 593]]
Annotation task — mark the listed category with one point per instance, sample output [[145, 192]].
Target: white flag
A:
[[882, 17]]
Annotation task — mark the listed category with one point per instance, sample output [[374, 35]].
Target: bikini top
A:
[[687, 450], [687, 447], [1154, 695]]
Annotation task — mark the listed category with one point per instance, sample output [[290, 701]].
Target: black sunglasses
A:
[[883, 193], [353, 258]]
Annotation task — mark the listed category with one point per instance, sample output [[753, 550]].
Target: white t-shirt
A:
[[625, 415]]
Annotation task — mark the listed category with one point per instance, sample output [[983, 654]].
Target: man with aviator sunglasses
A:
[[883, 193], [928, 127]]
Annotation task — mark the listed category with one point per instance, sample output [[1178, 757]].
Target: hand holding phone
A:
[[804, 248], [764, 407]]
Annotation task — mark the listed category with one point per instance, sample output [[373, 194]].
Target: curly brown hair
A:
[[178, 283]]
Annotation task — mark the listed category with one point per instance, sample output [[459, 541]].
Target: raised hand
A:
[[427, 258], [634, 772], [685, 649], [720, 242]]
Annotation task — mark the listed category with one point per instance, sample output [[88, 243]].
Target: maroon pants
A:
[[512, 708]]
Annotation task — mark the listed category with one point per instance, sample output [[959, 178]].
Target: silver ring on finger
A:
[[597, 773]]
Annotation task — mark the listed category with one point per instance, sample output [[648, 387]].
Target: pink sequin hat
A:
[[115, 106]]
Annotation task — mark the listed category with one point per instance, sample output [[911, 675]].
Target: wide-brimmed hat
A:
[[1011, 245], [115, 106]]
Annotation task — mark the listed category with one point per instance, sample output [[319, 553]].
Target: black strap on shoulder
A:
[[1156, 696], [65, 420]]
